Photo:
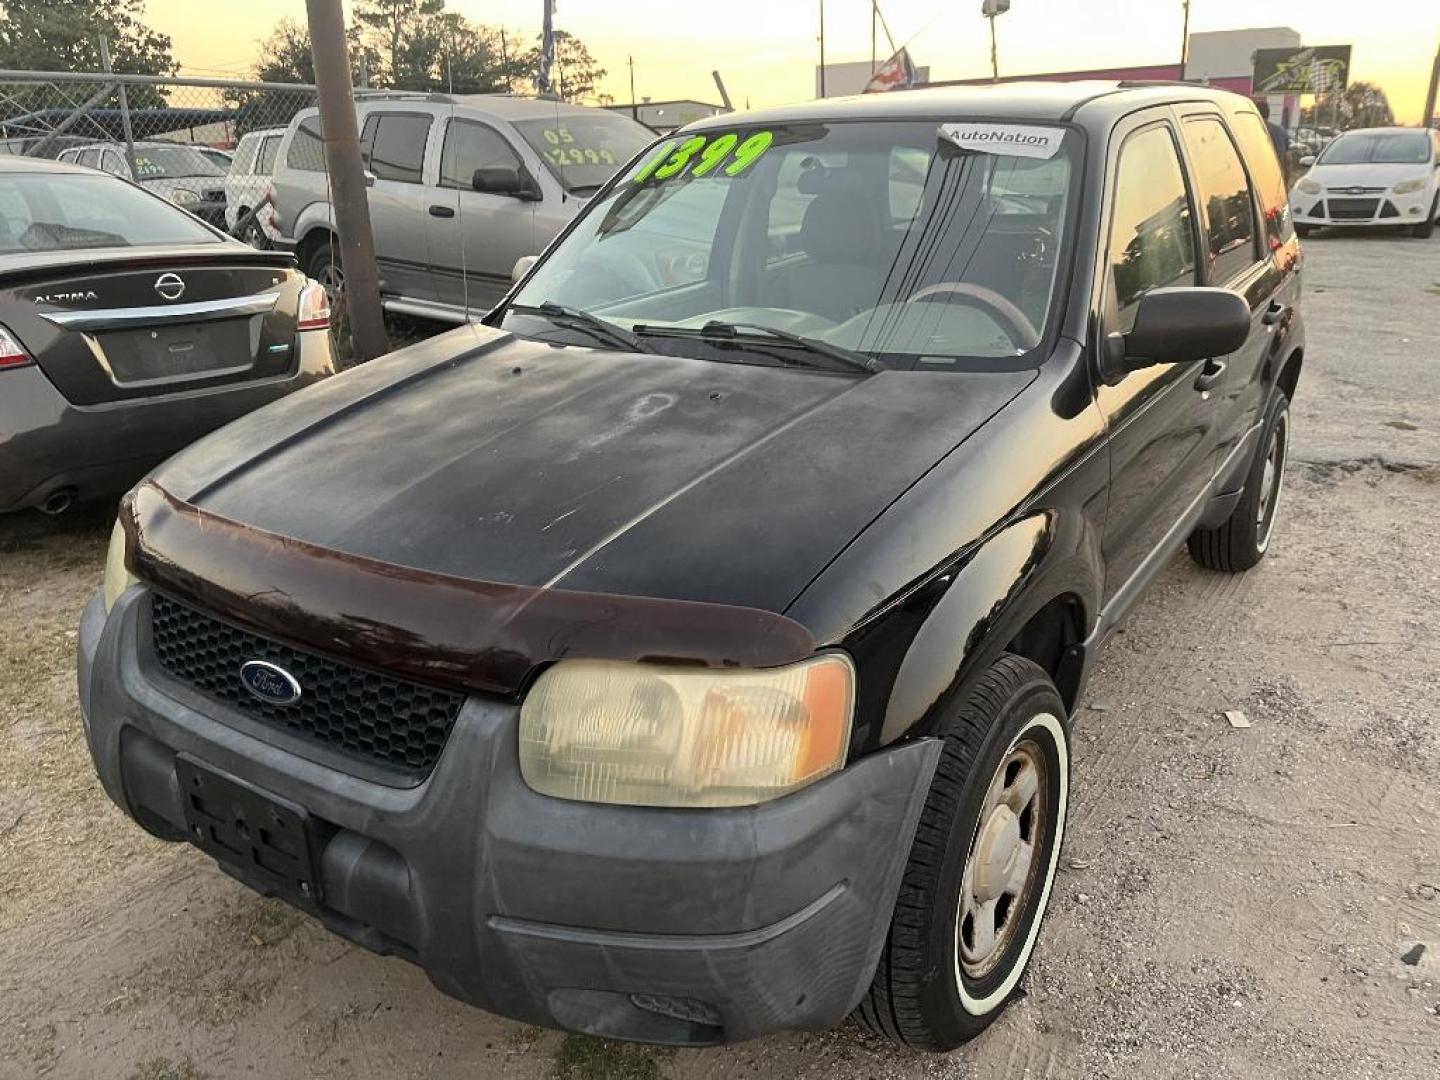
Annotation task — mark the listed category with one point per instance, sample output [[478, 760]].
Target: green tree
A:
[[391, 26], [64, 35], [1360, 105], [285, 55], [574, 73]]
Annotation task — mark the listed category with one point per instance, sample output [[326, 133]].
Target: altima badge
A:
[[170, 286], [269, 682]]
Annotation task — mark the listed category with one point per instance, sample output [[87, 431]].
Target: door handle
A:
[[1211, 376], [1274, 313], [436, 210]]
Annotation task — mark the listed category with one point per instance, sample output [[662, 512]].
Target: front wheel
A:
[[982, 865], [1243, 538], [1426, 229], [1304, 231]]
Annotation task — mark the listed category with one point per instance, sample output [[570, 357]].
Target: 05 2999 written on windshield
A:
[[562, 149], [701, 155]]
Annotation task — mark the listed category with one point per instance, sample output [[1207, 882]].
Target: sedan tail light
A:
[[270, 207], [314, 308], [12, 353]]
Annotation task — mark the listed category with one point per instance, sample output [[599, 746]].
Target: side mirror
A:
[[522, 266], [1178, 326], [1307, 160], [505, 180]]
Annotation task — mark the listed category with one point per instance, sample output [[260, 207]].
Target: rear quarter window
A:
[[307, 148]]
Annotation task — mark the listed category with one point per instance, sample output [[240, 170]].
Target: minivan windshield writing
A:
[[1381, 147], [915, 245]]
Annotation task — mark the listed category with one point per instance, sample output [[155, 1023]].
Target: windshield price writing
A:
[[702, 155]]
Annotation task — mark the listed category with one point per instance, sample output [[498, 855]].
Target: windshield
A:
[[63, 211], [1381, 147], [918, 244], [583, 150], [165, 162]]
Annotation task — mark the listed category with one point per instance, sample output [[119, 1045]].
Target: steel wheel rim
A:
[[1272, 481], [333, 279], [1002, 865]]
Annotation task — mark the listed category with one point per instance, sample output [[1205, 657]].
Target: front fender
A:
[[984, 602]]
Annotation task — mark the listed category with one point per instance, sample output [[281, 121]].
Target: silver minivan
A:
[[461, 187]]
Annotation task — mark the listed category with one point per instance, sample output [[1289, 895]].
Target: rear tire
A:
[[1304, 231], [1244, 537], [980, 871], [323, 264]]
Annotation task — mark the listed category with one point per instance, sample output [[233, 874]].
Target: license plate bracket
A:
[[262, 836]]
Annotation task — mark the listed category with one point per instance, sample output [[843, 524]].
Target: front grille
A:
[[1359, 209], [370, 716]]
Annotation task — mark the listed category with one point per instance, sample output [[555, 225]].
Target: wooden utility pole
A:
[[634, 108], [1428, 116], [1185, 41], [361, 289]]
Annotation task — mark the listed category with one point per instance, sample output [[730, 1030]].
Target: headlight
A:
[[1309, 187], [117, 577], [181, 196], [653, 735], [1409, 187]]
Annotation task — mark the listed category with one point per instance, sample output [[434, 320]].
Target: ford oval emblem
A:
[[269, 682]]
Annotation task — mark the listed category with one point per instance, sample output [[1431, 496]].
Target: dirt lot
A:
[[1232, 902]]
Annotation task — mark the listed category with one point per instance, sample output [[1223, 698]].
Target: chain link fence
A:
[[207, 145]]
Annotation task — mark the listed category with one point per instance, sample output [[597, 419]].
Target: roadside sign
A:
[[1317, 69]]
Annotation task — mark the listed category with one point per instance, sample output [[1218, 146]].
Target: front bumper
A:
[[1332, 209], [48, 444], [672, 926]]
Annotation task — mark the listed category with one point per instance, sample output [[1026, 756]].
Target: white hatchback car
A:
[[1371, 176]]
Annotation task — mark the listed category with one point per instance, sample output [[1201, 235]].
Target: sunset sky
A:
[[766, 49]]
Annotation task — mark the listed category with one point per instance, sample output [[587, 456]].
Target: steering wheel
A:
[[1012, 320]]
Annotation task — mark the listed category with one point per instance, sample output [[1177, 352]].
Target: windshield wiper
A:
[[732, 331], [564, 315]]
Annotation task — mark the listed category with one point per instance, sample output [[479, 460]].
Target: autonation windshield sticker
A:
[[1033, 142]]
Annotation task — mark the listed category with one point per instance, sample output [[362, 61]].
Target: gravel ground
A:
[[1232, 902]]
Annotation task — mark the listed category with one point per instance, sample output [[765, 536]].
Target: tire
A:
[[324, 266], [1304, 231], [1427, 229], [1243, 538], [935, 987]]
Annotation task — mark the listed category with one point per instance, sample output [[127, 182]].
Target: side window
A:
[[90, 158], [470, 146], [1152, 239], [244, 159], [1265, 171], [394, 145], [307, 148], [1229, 206], [265, 159], [113, 163]]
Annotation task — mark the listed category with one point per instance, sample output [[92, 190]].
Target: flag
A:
[[547, 49], [897, 73]]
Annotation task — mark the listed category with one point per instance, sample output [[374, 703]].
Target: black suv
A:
[[691, 651]]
